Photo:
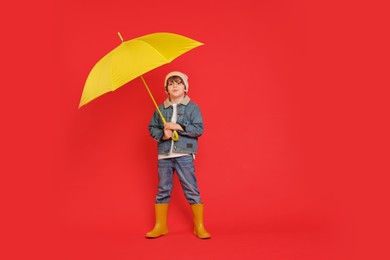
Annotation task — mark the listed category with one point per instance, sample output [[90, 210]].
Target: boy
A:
[[184, 117]]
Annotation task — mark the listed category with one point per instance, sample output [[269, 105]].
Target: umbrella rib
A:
[[151, 46]]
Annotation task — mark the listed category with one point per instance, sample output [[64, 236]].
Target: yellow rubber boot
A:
[[199, 230], [161, 226]]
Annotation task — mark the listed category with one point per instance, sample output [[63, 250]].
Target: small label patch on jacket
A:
[[189, 145]]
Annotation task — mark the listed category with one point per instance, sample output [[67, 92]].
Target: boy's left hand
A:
[[173, 126]]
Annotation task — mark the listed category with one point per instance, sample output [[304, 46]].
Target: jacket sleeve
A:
[[156, 128], [193, 127]]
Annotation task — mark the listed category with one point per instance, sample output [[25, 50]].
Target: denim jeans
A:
[[185, 170]]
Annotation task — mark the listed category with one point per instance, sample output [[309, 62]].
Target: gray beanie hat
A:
[[183, 77]]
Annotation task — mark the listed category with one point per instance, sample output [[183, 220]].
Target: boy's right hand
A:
[[167, 134]]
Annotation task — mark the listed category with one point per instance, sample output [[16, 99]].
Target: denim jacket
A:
[[189, 118]]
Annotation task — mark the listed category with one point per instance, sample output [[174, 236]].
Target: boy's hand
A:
[[173, 126], [167, 134]]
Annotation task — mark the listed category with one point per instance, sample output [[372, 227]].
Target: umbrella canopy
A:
[[132, 59]]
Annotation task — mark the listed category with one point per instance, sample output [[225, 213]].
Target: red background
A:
[[292, 164]]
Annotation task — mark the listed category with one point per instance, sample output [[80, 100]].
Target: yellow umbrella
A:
[[132, 59]]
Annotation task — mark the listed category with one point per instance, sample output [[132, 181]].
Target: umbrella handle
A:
[[175, 136]]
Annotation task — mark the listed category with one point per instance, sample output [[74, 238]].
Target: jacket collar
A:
[[185, 101]]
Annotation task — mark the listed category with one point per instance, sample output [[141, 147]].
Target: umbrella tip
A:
[[120, 36]]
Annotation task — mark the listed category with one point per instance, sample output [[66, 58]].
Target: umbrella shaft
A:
[[154, 101], [175, 136]]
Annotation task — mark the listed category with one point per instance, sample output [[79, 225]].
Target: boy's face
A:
[[176, 88]]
